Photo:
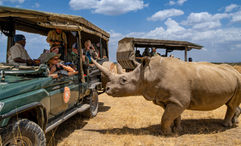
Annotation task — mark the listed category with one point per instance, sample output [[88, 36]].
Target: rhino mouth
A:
[[112, 93]]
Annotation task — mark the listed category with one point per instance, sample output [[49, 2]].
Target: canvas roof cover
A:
[[126, 48], [40, 22], [128, 44]]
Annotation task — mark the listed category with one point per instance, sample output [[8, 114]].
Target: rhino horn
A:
[[119, 69], [102, 69]]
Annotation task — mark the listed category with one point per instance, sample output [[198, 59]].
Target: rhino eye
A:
[[123, 80]]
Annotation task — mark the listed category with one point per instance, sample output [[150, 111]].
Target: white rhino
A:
[[177, 85]]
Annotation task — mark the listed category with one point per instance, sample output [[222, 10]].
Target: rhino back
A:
[[208, 86], [212, 85]]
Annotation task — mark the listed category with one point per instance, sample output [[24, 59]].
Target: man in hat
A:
[[17, 53]]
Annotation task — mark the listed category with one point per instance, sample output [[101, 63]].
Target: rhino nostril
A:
[[107, 88]]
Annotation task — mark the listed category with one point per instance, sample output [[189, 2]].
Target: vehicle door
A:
[[64, 94]]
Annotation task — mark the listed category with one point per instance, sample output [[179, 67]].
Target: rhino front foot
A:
[[177, 129], [167, 131], [236, 115], [227, 124], [172, 115], [177, 125]]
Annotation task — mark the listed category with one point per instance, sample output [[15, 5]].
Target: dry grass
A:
[[135, 121]]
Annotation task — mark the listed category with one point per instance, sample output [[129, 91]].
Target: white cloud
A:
[[207, 25], [204, 20], [164, 14], [36, 5], [108, 7], [231, 7], [236, 17], [171, 3], [178, 2], [220, 45], [173, 26]]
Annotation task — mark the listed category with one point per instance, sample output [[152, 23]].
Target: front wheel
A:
[[92, 99], [23, 132]]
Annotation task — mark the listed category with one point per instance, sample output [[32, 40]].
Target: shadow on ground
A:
[[103, 108], [74, 123], [190, 126], [65, 129]]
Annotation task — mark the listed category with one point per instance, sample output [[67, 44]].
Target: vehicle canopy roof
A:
[[126, 48], [131, 43], [40, 22]]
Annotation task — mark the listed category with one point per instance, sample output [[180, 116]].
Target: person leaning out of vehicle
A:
[[52, 60], [57, 39], [90, 51], [17, 53]]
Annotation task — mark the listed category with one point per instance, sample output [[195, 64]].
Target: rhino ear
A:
[[119, 69], [145, 61]]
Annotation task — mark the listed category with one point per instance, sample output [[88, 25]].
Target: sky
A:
[[214, 24]]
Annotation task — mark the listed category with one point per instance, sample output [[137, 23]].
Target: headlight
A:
[[1, 105]]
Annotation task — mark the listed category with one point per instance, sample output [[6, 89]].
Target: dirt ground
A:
[[135, 121]]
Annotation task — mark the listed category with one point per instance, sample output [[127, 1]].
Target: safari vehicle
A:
[[31, 102], [127, 47]]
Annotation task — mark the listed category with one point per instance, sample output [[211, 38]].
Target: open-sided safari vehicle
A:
[[127, 48], [31, 102]]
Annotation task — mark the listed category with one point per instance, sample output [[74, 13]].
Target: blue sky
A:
[[214, 24]]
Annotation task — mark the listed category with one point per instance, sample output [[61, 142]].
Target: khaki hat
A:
[[50, 56]]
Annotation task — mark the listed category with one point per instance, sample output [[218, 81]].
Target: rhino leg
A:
[[228, 117], [161, 104], [236, 115], [172, 112], [177, 125]]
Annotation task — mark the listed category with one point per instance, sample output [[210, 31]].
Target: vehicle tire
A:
[[23, 132], [92, 99]]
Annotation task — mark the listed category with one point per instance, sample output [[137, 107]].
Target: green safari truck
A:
[[31, 102]]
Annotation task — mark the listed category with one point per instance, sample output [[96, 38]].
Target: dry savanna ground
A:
[[135, 121]]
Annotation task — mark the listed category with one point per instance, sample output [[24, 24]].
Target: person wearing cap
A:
[[57, 38], [17, 53], [52, 60]]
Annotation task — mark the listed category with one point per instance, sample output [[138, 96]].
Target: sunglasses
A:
[[56, 58]]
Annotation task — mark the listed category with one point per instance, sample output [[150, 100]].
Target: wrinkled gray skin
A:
[[176, 85]]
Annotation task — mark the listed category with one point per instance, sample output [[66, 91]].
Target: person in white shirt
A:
[[17, 53]]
